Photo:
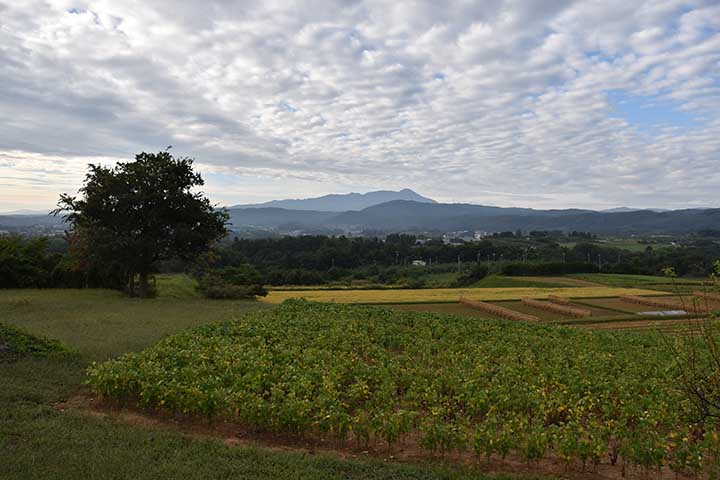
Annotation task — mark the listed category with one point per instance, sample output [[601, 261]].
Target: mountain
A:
[[409, 216], [342, 202], [630, 209], [27, 212], [428, 216]]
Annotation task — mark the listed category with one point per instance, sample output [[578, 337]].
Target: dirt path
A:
[[232, 434]]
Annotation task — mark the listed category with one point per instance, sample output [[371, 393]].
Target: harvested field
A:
[[652, 302], [446, 295], [683, 325], [558, 309], [499, 311], [558, 300], [615, 305], [710, 297]]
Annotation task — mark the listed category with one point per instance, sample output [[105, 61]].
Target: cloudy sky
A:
[[544, 103]]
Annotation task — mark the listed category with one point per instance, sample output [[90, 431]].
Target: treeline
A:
[[321, 259], [36, 263], [312, 260]]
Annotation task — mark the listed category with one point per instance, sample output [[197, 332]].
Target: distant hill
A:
[[429, 216], [630, 209], [342, 202], [400, 215]]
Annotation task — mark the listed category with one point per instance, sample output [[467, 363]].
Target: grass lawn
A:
[[622, 280], [38, 441]]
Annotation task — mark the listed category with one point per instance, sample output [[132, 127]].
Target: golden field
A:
[[439, 295]]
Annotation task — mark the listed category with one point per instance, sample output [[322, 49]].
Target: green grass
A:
[[103, 323], [621, 280], [38, 441], [176, 286]]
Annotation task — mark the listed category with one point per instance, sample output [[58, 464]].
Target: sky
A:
[[533, 103]]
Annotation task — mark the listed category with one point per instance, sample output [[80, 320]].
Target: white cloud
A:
[[500, 102]]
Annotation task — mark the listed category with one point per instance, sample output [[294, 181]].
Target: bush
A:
[[15, 342], [550, 268], [476, 273], [232, 283], [25, 263]]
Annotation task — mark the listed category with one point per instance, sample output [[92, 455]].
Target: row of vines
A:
[[369, 374]]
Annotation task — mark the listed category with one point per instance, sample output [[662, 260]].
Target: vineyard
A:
[[368, 375]]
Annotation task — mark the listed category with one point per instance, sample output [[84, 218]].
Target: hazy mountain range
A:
[[342, 202], [403, 215], [407, 211]]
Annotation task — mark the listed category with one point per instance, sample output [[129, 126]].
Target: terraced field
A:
[[447, 295]]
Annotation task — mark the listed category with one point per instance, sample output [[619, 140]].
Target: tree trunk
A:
[[143, 285], [131, 284]]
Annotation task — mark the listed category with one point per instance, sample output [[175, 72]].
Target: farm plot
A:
[[662, 325], [443, 309], [499, 311], [446, 295], [518, 306], [441, 383], [614, 304], [564, 310]]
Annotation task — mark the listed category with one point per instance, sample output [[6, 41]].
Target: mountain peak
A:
[[342, 202]]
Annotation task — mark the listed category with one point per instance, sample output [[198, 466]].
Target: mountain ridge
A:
[[401, 215], [341, 202]]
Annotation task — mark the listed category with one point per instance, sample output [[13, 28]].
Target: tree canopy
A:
[[136, 213]]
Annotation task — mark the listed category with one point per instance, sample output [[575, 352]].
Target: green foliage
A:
[[15, 341], [232, 283], [377, 374], [40, 439], [138, 213], [476, 273], [25, 263], [176, 285], [553, 268]]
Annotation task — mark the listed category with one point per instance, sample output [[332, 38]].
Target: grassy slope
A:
[[38, 441], [618, 280]]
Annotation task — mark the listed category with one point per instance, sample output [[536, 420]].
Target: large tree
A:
[[136, 213]]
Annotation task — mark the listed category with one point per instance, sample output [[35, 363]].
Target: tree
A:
[[137, 213]]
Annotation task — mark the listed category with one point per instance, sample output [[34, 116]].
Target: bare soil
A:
[[233, 434]]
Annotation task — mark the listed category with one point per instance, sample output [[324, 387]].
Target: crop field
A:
[[367, 375], [449, 295], [620, 305], [43, 436], [685, 326], [441, 308]]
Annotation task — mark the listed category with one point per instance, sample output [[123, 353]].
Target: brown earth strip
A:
[[236, 435]]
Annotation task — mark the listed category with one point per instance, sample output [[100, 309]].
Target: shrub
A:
[[232, 283], [476, 273], [549, 268], [15, 341]]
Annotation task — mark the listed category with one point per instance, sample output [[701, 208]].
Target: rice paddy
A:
[[447, 295]]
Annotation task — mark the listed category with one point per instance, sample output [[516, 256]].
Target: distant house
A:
[[419, 263]]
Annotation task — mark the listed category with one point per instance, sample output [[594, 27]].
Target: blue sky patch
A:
[[650, 112]]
